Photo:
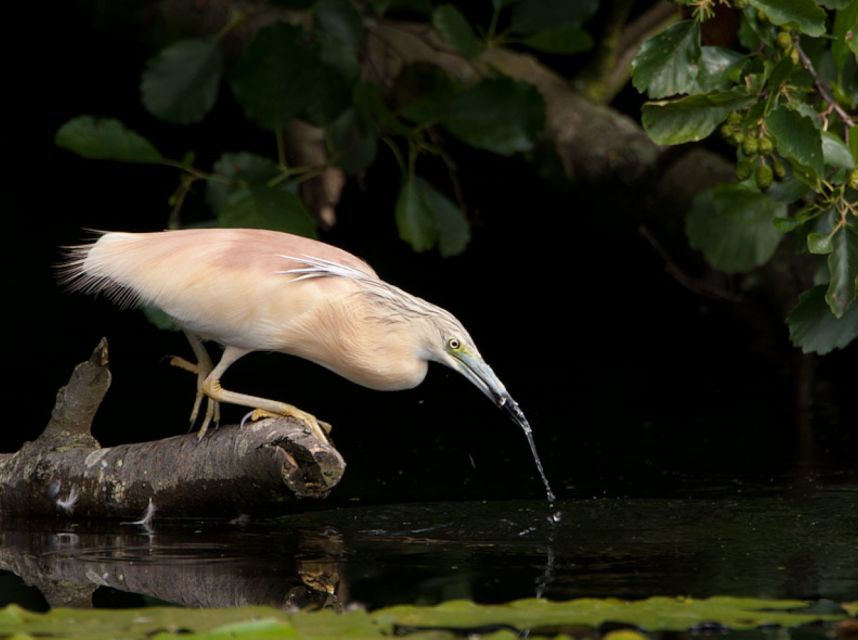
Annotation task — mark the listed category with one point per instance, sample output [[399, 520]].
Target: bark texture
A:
[[254, 469]]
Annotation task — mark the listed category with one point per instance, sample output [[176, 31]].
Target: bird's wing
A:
[[312, 267]]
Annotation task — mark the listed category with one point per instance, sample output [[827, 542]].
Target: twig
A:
[[692, 284], [822, 88], [620, 43]]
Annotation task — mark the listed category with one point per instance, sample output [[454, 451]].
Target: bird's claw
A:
[[319, 427]]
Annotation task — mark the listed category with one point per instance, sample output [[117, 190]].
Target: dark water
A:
[[780, 542]]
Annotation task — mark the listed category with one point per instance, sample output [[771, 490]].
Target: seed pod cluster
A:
[[757, 151]]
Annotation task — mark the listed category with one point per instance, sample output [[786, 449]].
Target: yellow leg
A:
[[263, 407]]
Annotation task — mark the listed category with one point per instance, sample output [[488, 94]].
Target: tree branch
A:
[[234, 470], [822, 88]]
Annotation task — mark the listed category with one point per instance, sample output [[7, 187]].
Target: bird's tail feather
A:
[[83, 269]]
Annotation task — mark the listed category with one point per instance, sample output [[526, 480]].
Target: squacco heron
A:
[[255, 290]]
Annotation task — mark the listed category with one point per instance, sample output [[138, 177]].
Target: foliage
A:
[[443, 621], [781, 96], [780, 92], [309, 68]]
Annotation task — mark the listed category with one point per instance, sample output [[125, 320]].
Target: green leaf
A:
[[796, 138], [691, 118], [180, 82], [339, 20], [453, 229], [844, 32], [414, 219], [352, 144], [277, 76], [105, 139], [237, 170], [422, 92], [160, 319], [262, 207], [805, 15], [425, 217], [338, 31], [530, 16], [498, 114], [732, 225], [814, 328], [843, 271], [819, 243], [567, 39], [835, 152], [456, 30], [719, 69], [667, 63]]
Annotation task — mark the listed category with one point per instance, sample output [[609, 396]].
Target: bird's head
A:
[[451, 345]]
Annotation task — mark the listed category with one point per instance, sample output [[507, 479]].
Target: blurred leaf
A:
[[160, 319], [339, 20], [530, 16], [819, 243], [243, 169], [567, 40], [338, 31], [414, 219], [732, 225], [105, 139], [691, 118], [795, 137], [453, 228], [719, 69], [835, 152], [422, 92], [667, 63], [277, 76], [261, 207], [814, 328], [298, 5], [843, 271], [845, 27], [802, 14], [456, 30], [353, 145], [785, 225], [426, 217], [500, 4], [371, 108], [180, 82], [498, 114]]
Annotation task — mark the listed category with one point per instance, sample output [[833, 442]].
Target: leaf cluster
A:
[[311, 70], [782, 97]]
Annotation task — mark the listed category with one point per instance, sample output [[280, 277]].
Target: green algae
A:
[[417, 622]]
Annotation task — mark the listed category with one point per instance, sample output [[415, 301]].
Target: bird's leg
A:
[[262, 406], [202, 369]]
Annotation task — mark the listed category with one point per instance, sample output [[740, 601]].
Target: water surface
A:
[[781, 542]]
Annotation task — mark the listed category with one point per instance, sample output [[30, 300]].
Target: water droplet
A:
[[555, 517]]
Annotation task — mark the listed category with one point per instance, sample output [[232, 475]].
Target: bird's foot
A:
[[181, 363], [320, 428], [212, 406], [212, 415]]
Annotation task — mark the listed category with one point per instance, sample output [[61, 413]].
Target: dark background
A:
[[633, 384]]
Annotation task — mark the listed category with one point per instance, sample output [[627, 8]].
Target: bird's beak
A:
[[481, 375]]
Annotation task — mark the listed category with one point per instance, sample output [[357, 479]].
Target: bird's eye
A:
[[453, 344]]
